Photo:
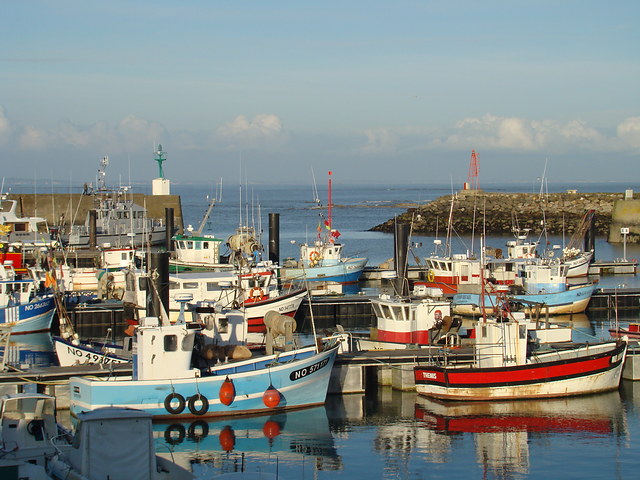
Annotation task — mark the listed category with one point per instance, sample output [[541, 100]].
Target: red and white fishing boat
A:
[[504, 369], [253, 290], [421, 319]]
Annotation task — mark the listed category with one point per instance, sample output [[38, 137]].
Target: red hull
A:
[[547, 372]]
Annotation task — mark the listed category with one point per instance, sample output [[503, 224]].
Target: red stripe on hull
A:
[[420, 337], [531, 373], [256, 324]]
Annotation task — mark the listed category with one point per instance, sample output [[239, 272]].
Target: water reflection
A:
[[259, 443], [503, 432], [32, 349]]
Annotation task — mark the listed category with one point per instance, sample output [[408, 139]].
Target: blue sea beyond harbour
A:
[[388, 434]]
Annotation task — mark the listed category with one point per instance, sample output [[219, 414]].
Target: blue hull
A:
[[574, 300], [301, 381], [35, 316], [347, 271]]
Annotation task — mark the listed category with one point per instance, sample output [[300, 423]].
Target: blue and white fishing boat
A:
[[20, 308], [322, 261], [543, 284], [166, 384]]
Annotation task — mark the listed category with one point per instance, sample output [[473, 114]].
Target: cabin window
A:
[[376, 309], [190, 285], [142, 283], [205, 245], [198, 245], [174, 285], [189, 245], [212, 286], [386, 311], [19, 227], [170, 343], [397, 312], [25, 287]]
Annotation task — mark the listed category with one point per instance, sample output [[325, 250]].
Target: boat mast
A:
[[330, 203]]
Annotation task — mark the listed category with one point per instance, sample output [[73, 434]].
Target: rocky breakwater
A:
[[498, 213]]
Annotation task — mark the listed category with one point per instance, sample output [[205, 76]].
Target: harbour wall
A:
[[499, 213], [63, 208], [626, 214]]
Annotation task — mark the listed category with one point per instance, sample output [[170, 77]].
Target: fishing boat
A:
[[539, 284], [252, 289], [118, 220], [574, 299], [322, 260], [506, 368], [107, 273], [194, 253], [27, 232], [423, 318], [166, 384], [21, 308], [71, 352]]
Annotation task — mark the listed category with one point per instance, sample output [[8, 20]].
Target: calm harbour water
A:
[[389, 434], [394, 435]]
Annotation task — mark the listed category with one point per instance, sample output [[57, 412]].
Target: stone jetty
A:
[[499, 213]]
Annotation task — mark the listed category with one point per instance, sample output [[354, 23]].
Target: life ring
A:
[[314, 257], [170, 408], [198, 430], [431, 276], [254, 290], [169, 434], [204, 407]]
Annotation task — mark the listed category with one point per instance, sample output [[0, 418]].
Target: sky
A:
[[272, 91]]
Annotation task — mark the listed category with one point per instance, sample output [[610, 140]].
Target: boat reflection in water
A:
[[504, 431], [297, 441], [32, 349]]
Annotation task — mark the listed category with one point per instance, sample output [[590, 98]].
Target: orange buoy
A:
[[227, 392], [227, 439], [271, 429], [271, 397]]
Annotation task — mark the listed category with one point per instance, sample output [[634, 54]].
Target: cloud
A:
[[32, 138], [86, 137], [5, 127], [380, 141], [629, 131], [138, 134], [513, 133], [261, 131]]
